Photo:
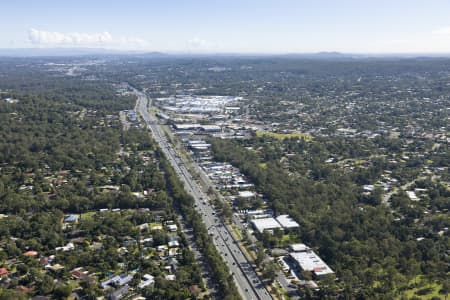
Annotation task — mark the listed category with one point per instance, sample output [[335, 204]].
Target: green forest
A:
[[374, 254], [63, 152]]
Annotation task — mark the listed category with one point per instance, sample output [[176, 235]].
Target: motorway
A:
[[247, 281], [280, 277]]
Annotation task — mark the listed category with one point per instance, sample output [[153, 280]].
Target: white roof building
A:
[[172, 227], [68, 247], [203, 146], [299, 247], [147, 279], [265, 224], [287, 222], [187, 126], [173, 244], [171, 277], [412, 196], [232, 108], [254, 212], [210, 128], [310, 261], [246, 194]]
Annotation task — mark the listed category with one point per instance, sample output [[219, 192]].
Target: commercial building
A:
[[198, 146], [264, 224], [246, 194], [187, 126], [307, 260], [211, 128], [287, 222]]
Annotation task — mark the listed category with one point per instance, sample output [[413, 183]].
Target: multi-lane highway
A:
[[246, 279]]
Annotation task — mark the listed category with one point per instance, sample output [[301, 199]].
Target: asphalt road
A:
[[247, 281], [280, 277]]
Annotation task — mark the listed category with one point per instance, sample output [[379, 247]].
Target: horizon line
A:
[[243, 53]]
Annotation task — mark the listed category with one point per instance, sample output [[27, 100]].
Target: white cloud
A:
[[442, 31], [75, 39], [137, 42], [197, 44]]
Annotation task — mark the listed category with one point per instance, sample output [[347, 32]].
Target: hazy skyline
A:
[[247, 26]]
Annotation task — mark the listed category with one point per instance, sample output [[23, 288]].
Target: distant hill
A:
[[324, 55], [330, 54], [33, 52]]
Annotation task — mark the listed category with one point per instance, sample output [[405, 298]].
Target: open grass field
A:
[[282, 136], [423, 290]]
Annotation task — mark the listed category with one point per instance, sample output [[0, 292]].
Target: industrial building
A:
[[264, 224], [287, 222], [211, 128], [284, 222], [246, 194], [307, 260]]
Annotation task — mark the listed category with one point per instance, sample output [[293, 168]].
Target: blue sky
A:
[[251, 26]]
